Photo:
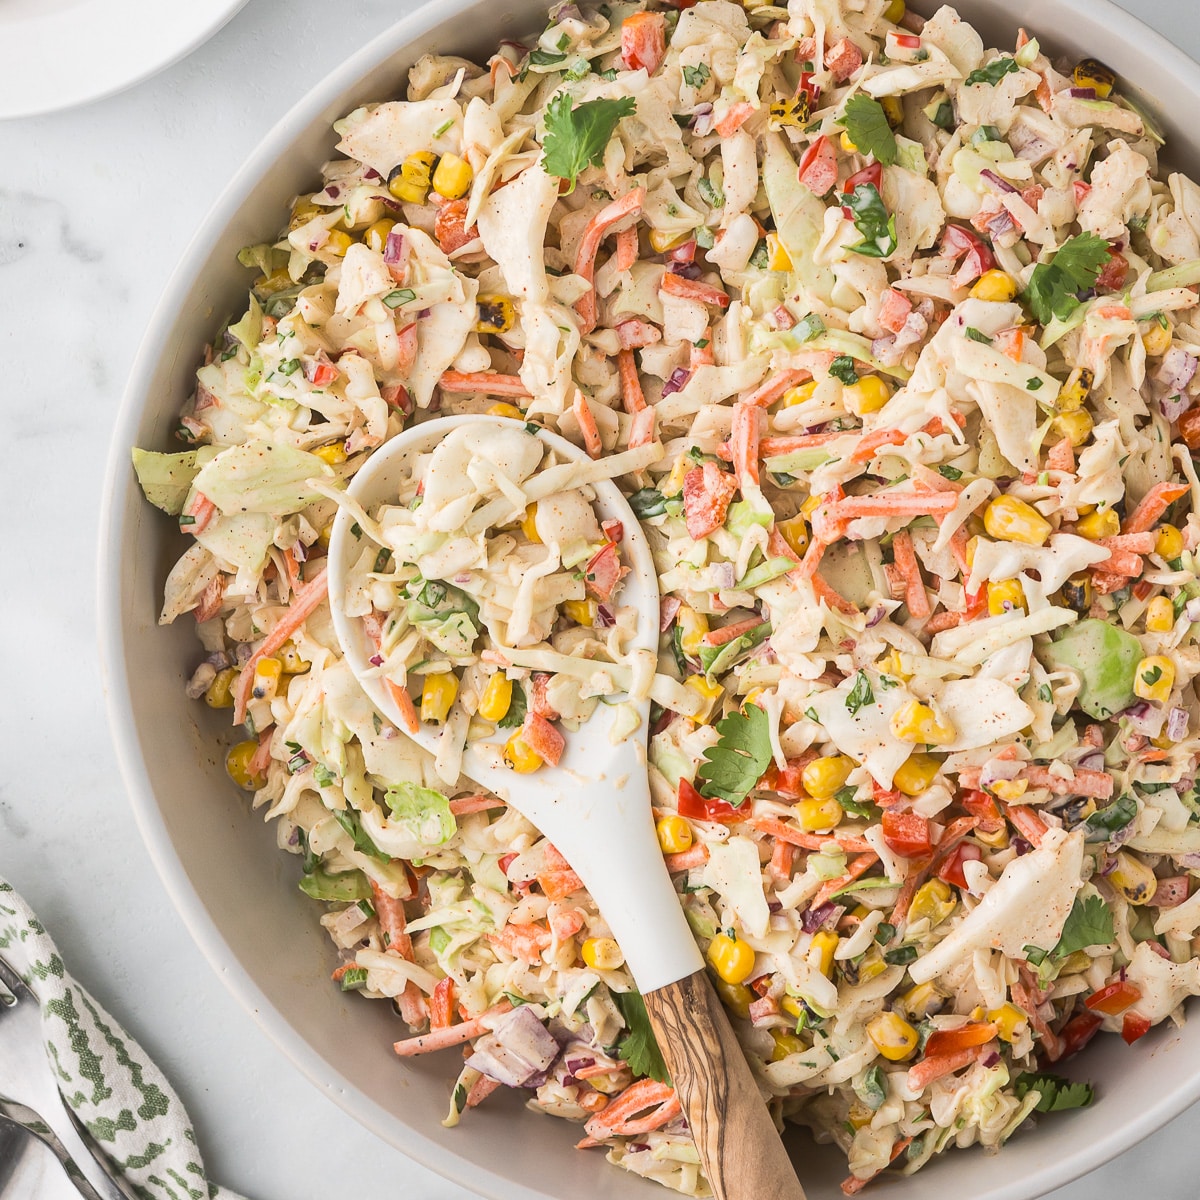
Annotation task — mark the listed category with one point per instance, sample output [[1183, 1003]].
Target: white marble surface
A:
[[95, 208]]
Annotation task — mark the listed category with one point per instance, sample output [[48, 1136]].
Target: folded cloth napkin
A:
[[104, 1075]]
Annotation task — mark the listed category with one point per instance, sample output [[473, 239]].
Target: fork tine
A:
[[8, 985]]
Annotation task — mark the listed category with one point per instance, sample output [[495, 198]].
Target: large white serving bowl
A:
[[237, 892]]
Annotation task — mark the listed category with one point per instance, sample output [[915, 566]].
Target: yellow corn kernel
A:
[[1093, 74], [376, 235], [922, 1001], [818, 814], [303, 211], [893, 665], [266, 678], [894, 11], [778, 258], [237, 764], [1004, 596], [1011, 520], [868, 395], [1168, 543], [731, 958], [674, 834], [872, 964], [1154, 678], [916, 773], [692, 626], [1076, 390], [753, 696], [892, 1036], [933, 902], [582, 612], [602, 954], [1010, 790], [799, 394], [1157, 339], [496, 314], [917, 722], [496, 698], [410, 180], [795, 533], [1074, 426], [810, 506], [710, 693], [506, 410], [1160, 615], [792, 1006], [1132, 878], [1008, 1019], [995, 285], [292, 661], [452, 177], [826, 776], [332, 454], [786, 1044], [337, 242], [520, 757], [673, 484], [847, 143], [437, 695], [997, 839], [219, 693], [1101, 523], [529, 525], [893, 109], [662, 240], [820, 951], [972, 546], [736, 997], [859, 1115]]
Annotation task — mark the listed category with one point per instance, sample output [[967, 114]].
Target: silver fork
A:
[[29, 1094]]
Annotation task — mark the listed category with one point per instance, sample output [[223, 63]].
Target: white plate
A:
[[58, 53]]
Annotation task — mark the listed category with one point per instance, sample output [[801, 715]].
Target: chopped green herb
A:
[[354, 978], [733, 766], [696, 76], [1101, 825], [811, 327], [445, 125], [842, 368], [1090, 923], [577, 137], [994, 71], [1034, 384], [545, 58], [948, 472], [867, 126], [714, 197], [1057, 1093], [884, 932], [901, 956], [638, 1047], [649, 502], [518, 706], [399, 296], [289, 366], [976, 336], [811, 714], [860, 694], [873, 222], [1044, 694], [1054, 286]]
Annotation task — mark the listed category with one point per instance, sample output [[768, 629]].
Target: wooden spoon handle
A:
[[740, 1150]]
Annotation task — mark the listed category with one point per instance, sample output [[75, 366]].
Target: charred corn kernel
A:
[[674, 834], [798, 395], [437, 695], [237, 764], [292, 661], [868, 395], [529, 525], [332, 454], [736, 997], [778, 258], [1160, 615], [810, 506], [1154, 678], [1077, 593], [1157, 339], [602, 954], [1093, 74], [710, 693], [496, 698], [1008, 1019], [827, 775], [692, 628], [219, 693], [995, 285], [410, 180], [892, 1036], [452, 177], [496, 314], [1010, 790], [731, 958], [303, 211], [922, 1001], [275, 282], [933, 902], [1076, 390], [795, 533], [662, 240], [917, 722], [786, 1044], [915, 774], [791, 110], [520, 756], [1132, 878], [820, 951], [848, 144], [1168, 542], [376, 235], [1004, 596], [1102, 523], [582, 612], [1011, 520], [894, 11], [266, 678], [506, 410], [338, 242], [818, 814], [893, 109], [859, 1115]]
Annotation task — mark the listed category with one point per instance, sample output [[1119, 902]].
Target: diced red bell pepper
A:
[[441, 1004], [603, 572], [701, 808], [1114, 998], [1112, 277], [982, 806], [1078, 1031], [1172, 891], [894, 308], [818, 166], [952, 869], [707, 491], [1133, 1027], [450, 226], [643, 41], [907, 834], [908, 41], [951, 1041], [842, 59], [872, 174], [786, 782], [542, 738]]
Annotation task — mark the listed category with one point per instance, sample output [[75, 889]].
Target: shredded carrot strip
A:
[[734, 119], [832, 599], [810, 841], [441, 1039], [773, 389], [892, 504], [641, 1107], [629, 205], [853, 1185], [641, 431], [910, 569], [869, 443], [859, 866], [491, 383], [1154, 503], [480, 1090], [1028, 823], [1061, 456], [685, 860], [627, 248], [743, 445], [403, 701], [394, 925], [922, 1074], [692, 289], [632, 396], [472, 804], [587, 425]]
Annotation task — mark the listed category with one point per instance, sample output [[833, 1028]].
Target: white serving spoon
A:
[[595, 808]]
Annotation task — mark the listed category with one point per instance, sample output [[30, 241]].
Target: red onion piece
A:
[[668, 606], [1083, 93], [993, 178], [679, 377], [1177, 724]]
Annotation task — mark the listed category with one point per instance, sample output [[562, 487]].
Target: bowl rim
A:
[[1069, 1163]]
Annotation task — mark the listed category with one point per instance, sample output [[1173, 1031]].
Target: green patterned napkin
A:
[[104, 1075]]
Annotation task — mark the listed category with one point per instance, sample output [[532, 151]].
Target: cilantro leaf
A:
[[860, 694], [576, 137], [696, 76], [1053, 286], [638, 1047], [742, 753], [994, 71], [948, 472], [867, 126], [1090, 923], [842, 368], [872, 220], [517, 707], [1057, 1093], [1100, 826]]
